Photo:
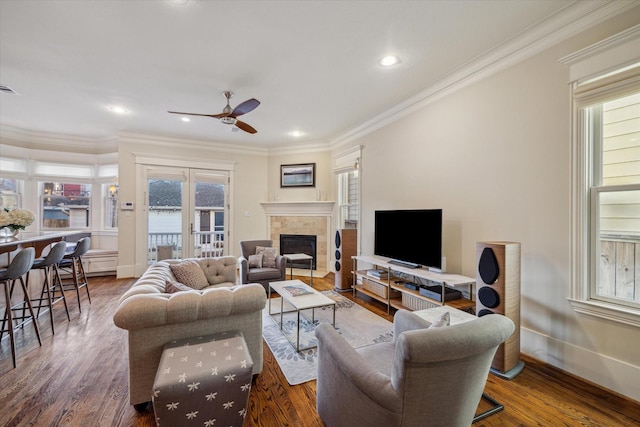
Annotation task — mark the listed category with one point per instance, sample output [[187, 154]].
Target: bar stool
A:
[[49, 266], [72, 263], [20, 265]]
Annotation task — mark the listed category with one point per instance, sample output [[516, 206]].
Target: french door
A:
[[186, 213]]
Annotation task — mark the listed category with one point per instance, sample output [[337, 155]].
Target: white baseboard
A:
[[616, 375], [125, 271]]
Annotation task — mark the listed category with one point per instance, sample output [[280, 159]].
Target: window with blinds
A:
[[349, 198]]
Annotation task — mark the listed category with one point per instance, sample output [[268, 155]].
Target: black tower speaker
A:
[[498, 291], [346, 246]]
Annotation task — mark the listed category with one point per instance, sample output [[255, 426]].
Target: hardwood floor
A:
[[79, 377]]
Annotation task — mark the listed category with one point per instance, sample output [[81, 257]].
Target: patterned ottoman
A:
[[203, 381]]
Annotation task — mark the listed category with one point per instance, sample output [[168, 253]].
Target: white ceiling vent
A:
[[7, 89]]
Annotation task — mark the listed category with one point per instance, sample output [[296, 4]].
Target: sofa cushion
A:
[[255, 261], [260, 274], [172, 287], [220, 270], [268, 256], [190, 273]]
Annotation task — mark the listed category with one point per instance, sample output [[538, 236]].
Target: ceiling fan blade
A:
[[245, 107], [245, 127], [217, 116]]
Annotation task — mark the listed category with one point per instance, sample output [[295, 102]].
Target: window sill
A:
[[625, 315]]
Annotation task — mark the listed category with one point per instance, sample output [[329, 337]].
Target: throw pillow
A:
[[268, 256], [442, 320], [255, 261], [190, 273], [173, 287]]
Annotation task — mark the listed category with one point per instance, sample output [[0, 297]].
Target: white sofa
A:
[[153, 317]]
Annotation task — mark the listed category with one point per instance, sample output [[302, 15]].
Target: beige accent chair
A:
[[153, 317], [426, 377], [262, 275]]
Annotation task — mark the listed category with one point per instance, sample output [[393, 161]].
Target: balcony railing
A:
[[169, 245]]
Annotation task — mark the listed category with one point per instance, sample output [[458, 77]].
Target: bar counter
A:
[[36, 240]]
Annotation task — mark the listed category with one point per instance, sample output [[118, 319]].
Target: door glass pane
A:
[[208, 222], [164, 219]]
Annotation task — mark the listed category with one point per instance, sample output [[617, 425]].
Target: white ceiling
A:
[[312, 64]]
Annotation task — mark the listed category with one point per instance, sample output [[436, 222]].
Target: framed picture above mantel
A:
[[298, 175]]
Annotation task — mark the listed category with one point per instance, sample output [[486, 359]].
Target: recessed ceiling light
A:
[[118, 109], [389, 61], [296, 133], [185, 119]]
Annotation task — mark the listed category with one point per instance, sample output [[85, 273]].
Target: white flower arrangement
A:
[[16, 219]]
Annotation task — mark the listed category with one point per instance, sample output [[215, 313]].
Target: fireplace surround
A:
[[303, 218]]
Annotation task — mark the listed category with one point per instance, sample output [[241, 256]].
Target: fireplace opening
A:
[[299, 244]]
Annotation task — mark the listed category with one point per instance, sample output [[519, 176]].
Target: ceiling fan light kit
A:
[[229, 116]]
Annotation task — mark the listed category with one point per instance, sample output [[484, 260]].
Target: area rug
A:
[[356, 324]]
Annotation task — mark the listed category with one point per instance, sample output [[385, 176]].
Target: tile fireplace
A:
[[303, 219]]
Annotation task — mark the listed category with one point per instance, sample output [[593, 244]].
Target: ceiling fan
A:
[[229, 116]]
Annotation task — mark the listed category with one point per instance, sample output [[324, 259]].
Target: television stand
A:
[[404, 263], [389, 286]]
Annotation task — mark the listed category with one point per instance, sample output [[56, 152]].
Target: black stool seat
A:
[[52, 282], [20, 265]]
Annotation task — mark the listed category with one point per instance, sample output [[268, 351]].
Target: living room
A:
[[492, 148]]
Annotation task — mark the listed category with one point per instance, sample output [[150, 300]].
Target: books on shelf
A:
[[297, 291], [378, 274]]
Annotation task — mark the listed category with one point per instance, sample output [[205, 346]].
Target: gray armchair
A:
[[426, 377], [264, 274]]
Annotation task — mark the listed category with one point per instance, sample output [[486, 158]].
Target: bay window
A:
[[65, 205]]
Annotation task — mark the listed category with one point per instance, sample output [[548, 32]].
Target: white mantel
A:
[[323, 208]]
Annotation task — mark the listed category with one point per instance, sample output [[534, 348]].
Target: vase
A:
[[8, 232]]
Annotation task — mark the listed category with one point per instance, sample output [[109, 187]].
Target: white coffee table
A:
[[311, 299]]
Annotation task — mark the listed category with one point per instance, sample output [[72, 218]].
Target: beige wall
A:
[[250, 187], [496, 157]]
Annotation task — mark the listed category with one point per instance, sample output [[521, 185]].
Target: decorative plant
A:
[[16, 219]]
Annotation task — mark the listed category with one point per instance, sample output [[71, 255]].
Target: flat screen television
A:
[[410, 237]]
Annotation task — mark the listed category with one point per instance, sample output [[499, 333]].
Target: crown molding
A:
[[568, 22], [300, 148], [168, 141], [306, 147], [57, 142], [72, 143]]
